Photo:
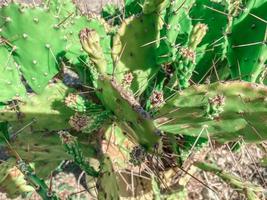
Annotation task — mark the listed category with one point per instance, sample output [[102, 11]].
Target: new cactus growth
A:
[[176, 22], [187, 59], [73, 148], [157, 78], [39, 184]]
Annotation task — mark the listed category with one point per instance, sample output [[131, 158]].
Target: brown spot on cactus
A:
[[128, 78], [79, 121], [71, 100], [188, 53], [218, 100], [137, 155], [168, 69], [65, 137], [215, 106], [157, 98]]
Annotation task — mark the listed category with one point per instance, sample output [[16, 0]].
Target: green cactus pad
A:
[[74, 50], [127, 109], [11, 86], [107, 184], [44, 150], [247, 52], [117, 146], [37, 42], [242, 113], [61, 9], [38, 112], [134, 50], [177, 24], [132, 7], [150, 6], [115, 97], [12, 180], [70, 22], [208, 12], [211, 48]]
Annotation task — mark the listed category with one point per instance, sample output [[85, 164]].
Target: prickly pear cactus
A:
[[10, 81], [73, 148], [107, 175], [37, 110], [223, 111], [247, 51], [210, 51], [44, 150], [176, 23], [114, 96], [134, 49], [35, 49], [157, 78], [187, 60]]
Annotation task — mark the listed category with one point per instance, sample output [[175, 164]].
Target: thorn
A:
[[23, 128], [218, 11], [36, 20], [117, 59], [25, 36], [152, 42], [64, 20], [8, 19], [249, 44]]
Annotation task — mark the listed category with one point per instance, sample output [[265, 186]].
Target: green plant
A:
[[137, 90]]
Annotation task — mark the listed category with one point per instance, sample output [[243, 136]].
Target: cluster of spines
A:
[[88, 116]]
